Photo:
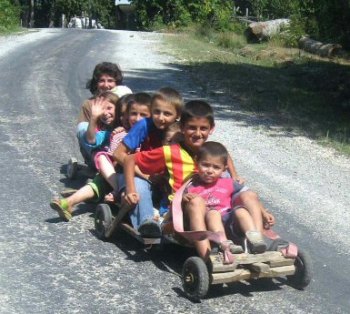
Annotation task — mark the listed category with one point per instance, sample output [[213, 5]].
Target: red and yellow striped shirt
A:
[[173, 159]]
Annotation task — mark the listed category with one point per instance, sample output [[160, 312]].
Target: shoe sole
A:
[[150, 231], [64, 214]]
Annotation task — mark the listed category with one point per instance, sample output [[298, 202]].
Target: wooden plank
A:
[[245, 258], [246, 274], [260, 268], [218, 266], [283, 271], [117, 219], [279, 262], [147, 241], [233, 276]]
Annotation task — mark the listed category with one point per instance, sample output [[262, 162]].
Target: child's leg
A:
[[195, 211], [253, 235], [107, 171], [144, 209], [244, 219], [83, 194], [251, 202], [214, 223], [64, 207]]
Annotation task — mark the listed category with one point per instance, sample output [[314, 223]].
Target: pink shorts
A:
[[97, 156]]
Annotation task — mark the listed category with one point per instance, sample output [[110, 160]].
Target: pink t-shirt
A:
[[217, 196]]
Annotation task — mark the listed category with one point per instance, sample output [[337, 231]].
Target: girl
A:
[[102, 122], [130, 112]]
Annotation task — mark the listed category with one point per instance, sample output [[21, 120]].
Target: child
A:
[[218, 193], [106, 76], [166, 108], [102, 122], [172, 135], [197, 123], [136, 107]]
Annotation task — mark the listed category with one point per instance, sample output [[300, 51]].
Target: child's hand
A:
[[132, 198], [268, 219], [97, 108], [240, 180], [188, 197], [117, 130]]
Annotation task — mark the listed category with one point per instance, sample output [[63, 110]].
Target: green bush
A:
[[9, 16]]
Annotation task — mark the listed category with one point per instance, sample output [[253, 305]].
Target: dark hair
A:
[[213, 149], [197, 109], [170, 96], [125, 100], [108, 68], [143, 99]]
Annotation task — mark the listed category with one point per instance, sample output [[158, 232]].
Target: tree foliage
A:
[[151, 13], [9, 15]]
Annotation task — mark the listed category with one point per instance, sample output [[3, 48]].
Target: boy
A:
[[197, 123], [146, 135]]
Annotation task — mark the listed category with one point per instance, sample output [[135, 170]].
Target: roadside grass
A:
[[4, 31], [300, 91]]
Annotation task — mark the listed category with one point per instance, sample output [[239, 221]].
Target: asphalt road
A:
[[48, 266]]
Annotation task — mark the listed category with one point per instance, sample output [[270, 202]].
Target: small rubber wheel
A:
[[303, 271], [72, 168], [195, 278], [103, 219]]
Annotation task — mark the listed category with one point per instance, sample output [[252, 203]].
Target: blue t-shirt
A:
[[143, 135], [101, 141]]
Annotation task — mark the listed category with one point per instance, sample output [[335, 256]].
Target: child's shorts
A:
[[100, 187], [238, 188]]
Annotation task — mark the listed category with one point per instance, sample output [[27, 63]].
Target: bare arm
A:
[[121, 153], [131, 196], [233, 172], [97, 109]]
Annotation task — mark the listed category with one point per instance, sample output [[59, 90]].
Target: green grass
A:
[[301, 92]]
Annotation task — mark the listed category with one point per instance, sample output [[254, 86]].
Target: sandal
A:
[[62, 208]]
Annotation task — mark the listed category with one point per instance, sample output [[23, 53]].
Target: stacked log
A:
[[321, 49]]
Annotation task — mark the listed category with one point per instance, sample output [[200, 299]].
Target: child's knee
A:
[[249, 196]]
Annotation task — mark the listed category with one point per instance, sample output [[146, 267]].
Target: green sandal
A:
[[61, 207]]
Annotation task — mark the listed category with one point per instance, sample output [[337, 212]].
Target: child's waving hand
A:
[[97, 108]]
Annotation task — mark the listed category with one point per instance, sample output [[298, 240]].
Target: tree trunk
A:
[[31, 18], [316, 47]]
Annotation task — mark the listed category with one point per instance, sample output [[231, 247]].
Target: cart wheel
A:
[[72, 168], [195, 278], [103, 219], [303, 271]]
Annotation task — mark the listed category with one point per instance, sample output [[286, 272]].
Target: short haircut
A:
[[170, 96], [197, 109], [142, 99], [213, 149], [107, 68]]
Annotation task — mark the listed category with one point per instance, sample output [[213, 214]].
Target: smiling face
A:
[[106, 82], [138, 112], [196, 131], [163, 114], [210, 168], [109, 114]]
